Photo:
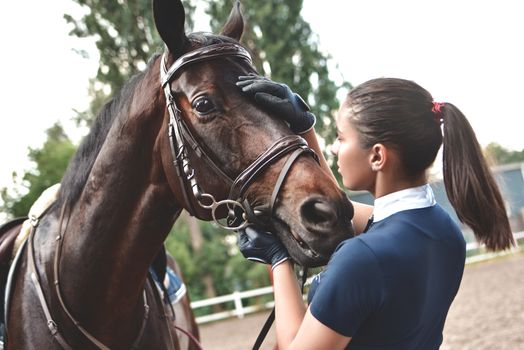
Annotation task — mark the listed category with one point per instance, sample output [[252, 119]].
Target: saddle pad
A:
[[8, 234], [37, 209]]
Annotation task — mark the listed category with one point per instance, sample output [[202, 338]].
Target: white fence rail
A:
[[240, 310]]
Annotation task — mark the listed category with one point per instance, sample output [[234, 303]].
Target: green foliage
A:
[[218, 257], [50, 163], [126, 38], [499, 155]]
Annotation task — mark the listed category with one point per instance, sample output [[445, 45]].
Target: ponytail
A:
[[470, 186]]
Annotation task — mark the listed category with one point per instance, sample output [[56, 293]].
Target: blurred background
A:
[[62, 60]]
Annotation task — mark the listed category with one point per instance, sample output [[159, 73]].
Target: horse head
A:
[[231, 155]]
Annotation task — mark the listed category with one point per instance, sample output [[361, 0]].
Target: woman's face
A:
[[353, 161]]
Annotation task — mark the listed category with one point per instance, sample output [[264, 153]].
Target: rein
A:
[[271, 318], [52, 325]]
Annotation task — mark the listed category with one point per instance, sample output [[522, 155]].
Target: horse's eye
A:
[[203, 105]]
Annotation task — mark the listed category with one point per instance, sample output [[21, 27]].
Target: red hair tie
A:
[[437, 110]]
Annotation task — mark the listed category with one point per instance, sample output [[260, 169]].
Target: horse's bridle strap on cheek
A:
[[278, 150], [180, 135], [293, 144]]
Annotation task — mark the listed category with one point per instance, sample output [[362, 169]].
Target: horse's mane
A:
[[200, 39], [77, 173], [80, 166]]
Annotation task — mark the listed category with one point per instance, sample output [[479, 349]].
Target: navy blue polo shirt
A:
[[391, 287]]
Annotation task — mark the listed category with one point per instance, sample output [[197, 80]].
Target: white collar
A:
[[410, 198]]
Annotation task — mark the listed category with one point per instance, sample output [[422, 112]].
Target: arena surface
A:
[[487, 314]]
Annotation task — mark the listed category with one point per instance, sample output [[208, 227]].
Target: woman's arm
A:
[[289, 305], [294, 330], [362, 212], [296, 327]]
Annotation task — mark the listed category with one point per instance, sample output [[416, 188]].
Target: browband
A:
[[203, 53]]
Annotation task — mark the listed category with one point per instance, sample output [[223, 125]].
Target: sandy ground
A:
[[487, 314]]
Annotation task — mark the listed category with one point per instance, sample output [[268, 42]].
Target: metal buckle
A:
[[53, 327], [33, 220]]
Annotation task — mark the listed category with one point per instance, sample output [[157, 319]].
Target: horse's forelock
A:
[[201, 39]]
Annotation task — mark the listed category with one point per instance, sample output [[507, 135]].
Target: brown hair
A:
[[399, 113]]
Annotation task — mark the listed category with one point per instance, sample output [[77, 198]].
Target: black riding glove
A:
[[278, 99], [258, 245]]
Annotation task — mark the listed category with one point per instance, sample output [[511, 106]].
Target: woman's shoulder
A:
[[418, 229], [355, 251], [434, 217]]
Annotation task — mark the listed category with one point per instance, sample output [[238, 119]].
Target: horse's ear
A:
[[169, 21], [234, 26]]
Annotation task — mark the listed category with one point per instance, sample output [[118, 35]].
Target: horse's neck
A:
[[122, 217]]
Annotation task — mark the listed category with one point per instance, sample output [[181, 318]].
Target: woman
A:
[[390, 288]]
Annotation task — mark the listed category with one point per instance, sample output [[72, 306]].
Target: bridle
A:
[[51, 323], [240, 213]]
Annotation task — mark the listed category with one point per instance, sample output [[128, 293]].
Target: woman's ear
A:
[[378, 157]]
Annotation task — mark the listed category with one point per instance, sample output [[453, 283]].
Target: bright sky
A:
[[469, 53]]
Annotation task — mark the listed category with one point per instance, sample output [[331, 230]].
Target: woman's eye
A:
[[203, 105]]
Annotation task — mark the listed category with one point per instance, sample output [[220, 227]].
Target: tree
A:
[[499, 155], [50, 163], [126, 39]]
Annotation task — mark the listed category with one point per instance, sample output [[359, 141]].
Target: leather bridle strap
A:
[[265, 329], [268, 211], [191, 337], [179, 133], [89, 336], [58, 251], [282, 176], [279, 149], [53, 327], [203, 53], [178, 151], [292, 143], [181, 140]]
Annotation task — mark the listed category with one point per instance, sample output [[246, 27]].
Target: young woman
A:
[[391, 287]]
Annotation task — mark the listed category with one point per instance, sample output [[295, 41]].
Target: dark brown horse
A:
[[185, 138]]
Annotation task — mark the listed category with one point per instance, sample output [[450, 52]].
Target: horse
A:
[[179, 136]]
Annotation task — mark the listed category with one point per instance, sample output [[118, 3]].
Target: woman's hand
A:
[[261, 246], [278, 99]]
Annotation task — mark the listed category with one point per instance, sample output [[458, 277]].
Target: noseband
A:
[[240, 212]]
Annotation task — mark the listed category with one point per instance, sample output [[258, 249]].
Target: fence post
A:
[[239, 308]]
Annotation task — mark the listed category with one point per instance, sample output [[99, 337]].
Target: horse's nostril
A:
[[318, 212]]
